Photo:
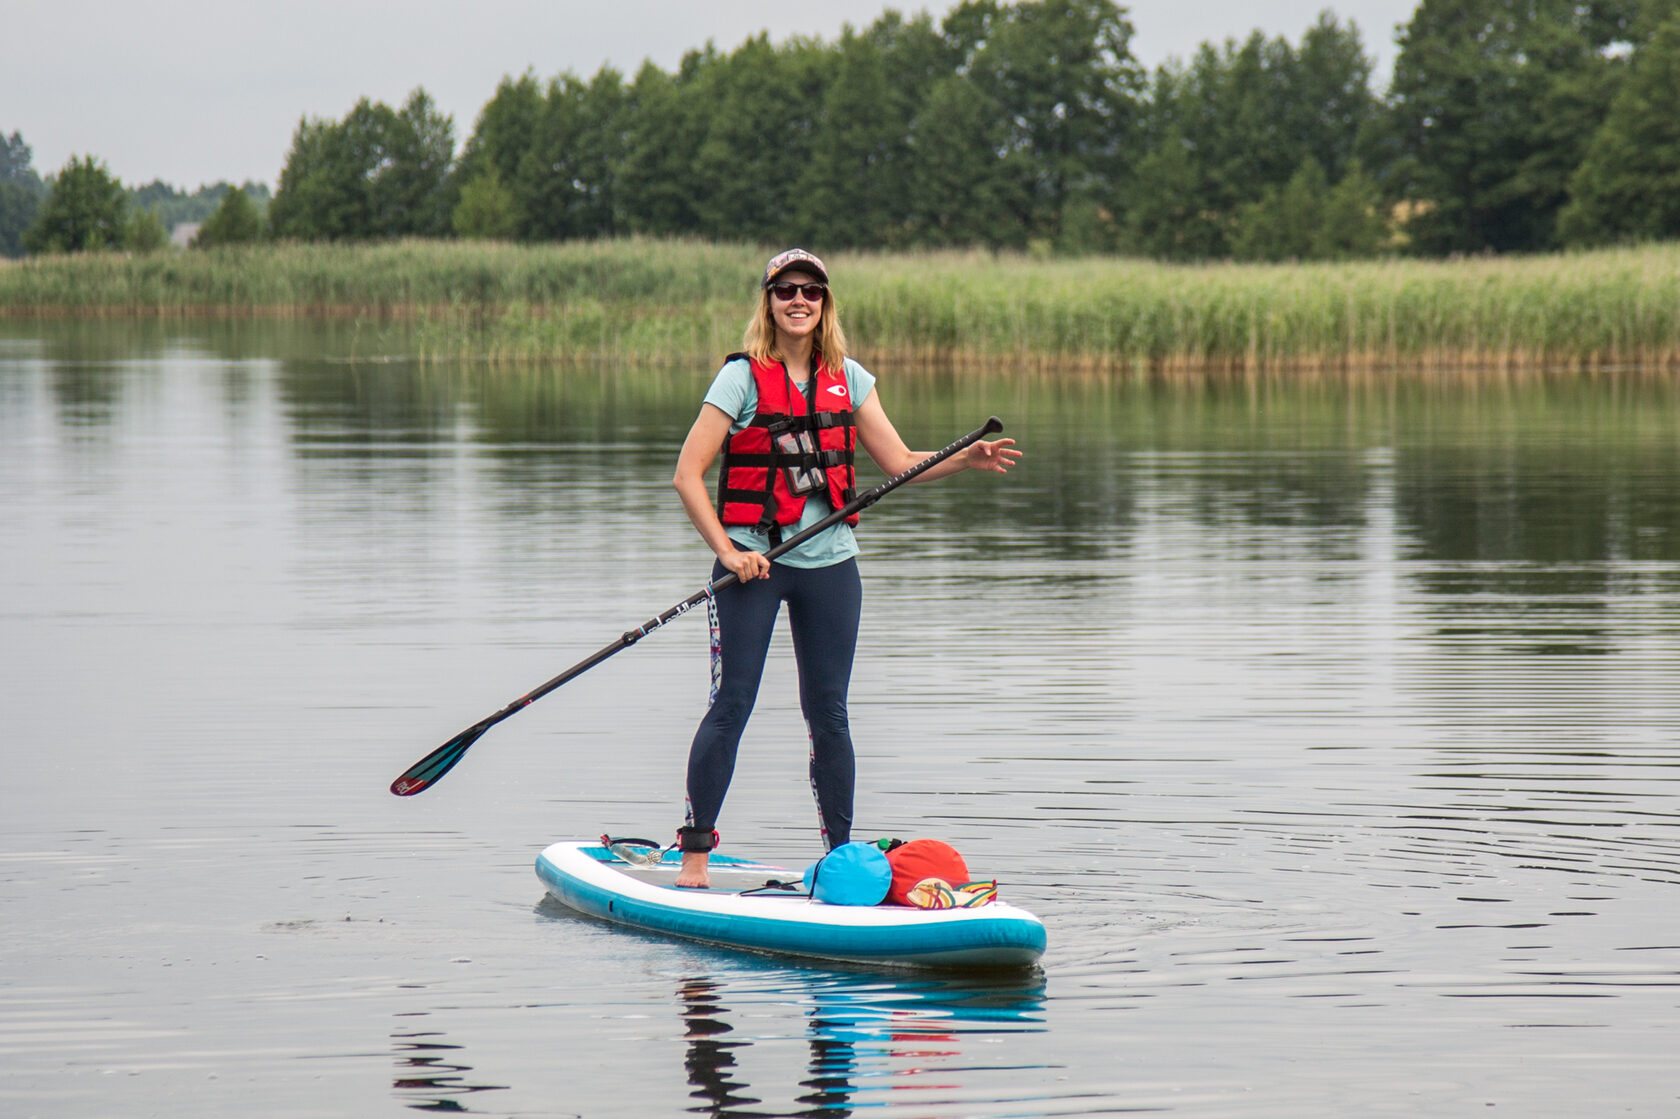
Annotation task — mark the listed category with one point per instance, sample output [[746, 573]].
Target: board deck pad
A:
[[587, 877]]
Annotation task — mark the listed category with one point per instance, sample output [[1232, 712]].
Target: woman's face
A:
[[797, 317]]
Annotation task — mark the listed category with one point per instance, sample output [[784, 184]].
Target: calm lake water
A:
[[1331, 730]]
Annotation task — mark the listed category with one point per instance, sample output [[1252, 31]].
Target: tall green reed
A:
[[687, 301]]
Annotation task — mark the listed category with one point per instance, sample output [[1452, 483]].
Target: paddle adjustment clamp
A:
[[696, 839]]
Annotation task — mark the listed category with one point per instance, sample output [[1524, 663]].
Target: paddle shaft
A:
[[429, 770]]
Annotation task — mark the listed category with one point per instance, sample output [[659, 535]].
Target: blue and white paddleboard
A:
[[589, 878]]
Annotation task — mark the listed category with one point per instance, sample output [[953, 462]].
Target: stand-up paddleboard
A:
[[590, 878]]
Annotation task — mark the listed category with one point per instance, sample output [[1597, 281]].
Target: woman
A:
[[786, 415]]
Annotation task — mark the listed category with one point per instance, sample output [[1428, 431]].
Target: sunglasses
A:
[[813, 293]]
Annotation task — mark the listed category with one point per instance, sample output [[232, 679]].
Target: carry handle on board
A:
[[426, 772]]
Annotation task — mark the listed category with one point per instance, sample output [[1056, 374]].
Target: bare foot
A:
[[693, 873]]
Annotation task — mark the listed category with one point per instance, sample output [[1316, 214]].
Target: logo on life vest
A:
[[838, 390]]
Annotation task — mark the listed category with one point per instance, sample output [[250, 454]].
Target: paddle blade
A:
[[430, 769]]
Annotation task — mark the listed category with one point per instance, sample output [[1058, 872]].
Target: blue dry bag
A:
[[851, 874]]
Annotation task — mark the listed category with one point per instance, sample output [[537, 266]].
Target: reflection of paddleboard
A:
[[591, 879]]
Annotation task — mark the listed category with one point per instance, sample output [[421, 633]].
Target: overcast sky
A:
[[195, 91]]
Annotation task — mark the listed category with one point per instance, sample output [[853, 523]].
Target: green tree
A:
[[505, 130], [858, 186], [1492, 105], [1171, 214], [408, 184], [376, 173], [160, 198], [915, 56], [1308, 219], [15, 159], [18, 208], [1236, 124], [1061, 80], [321, 186], [961, 195], [87, 209], [760, 103], [487, 209], [21, 191], [567, 179], [144, 232], [176, 206], [235, 222], [848, 188], [1353, 224], [152, 213], [1284, 224], [1628, 185], [1331, 102], [664, 125]]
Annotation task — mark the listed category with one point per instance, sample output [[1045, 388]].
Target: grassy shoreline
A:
[[686, 301]]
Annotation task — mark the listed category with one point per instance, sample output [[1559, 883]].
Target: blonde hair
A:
[[759, 340]]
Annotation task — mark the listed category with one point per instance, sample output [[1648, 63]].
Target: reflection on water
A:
[[430, 1076], [1332, 729], [866, 1036], [752, 1037]]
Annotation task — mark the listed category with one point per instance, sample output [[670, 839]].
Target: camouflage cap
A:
[[794, 258]]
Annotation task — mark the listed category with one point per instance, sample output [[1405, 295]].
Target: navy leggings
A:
[[824, 604]]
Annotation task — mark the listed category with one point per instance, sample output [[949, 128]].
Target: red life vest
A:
[[753, 484]]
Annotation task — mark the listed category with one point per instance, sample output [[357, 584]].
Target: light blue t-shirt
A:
[[735, 391]]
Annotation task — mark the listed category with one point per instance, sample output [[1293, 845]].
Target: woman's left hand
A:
[[877, 435], [997, 456]]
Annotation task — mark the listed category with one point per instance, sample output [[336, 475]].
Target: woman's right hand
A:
[[747, 566]]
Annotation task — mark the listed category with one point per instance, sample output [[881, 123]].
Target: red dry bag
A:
[[922, 858]]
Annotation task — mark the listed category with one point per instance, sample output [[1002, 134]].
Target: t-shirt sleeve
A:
[[859, 380], [734, 392]]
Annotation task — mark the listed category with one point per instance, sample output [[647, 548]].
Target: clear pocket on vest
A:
[[801, 447]]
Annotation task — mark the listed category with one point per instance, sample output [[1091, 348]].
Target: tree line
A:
[[84, 207], [1507, 126]]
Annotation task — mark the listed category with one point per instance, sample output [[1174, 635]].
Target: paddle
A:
[[430, 769]]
